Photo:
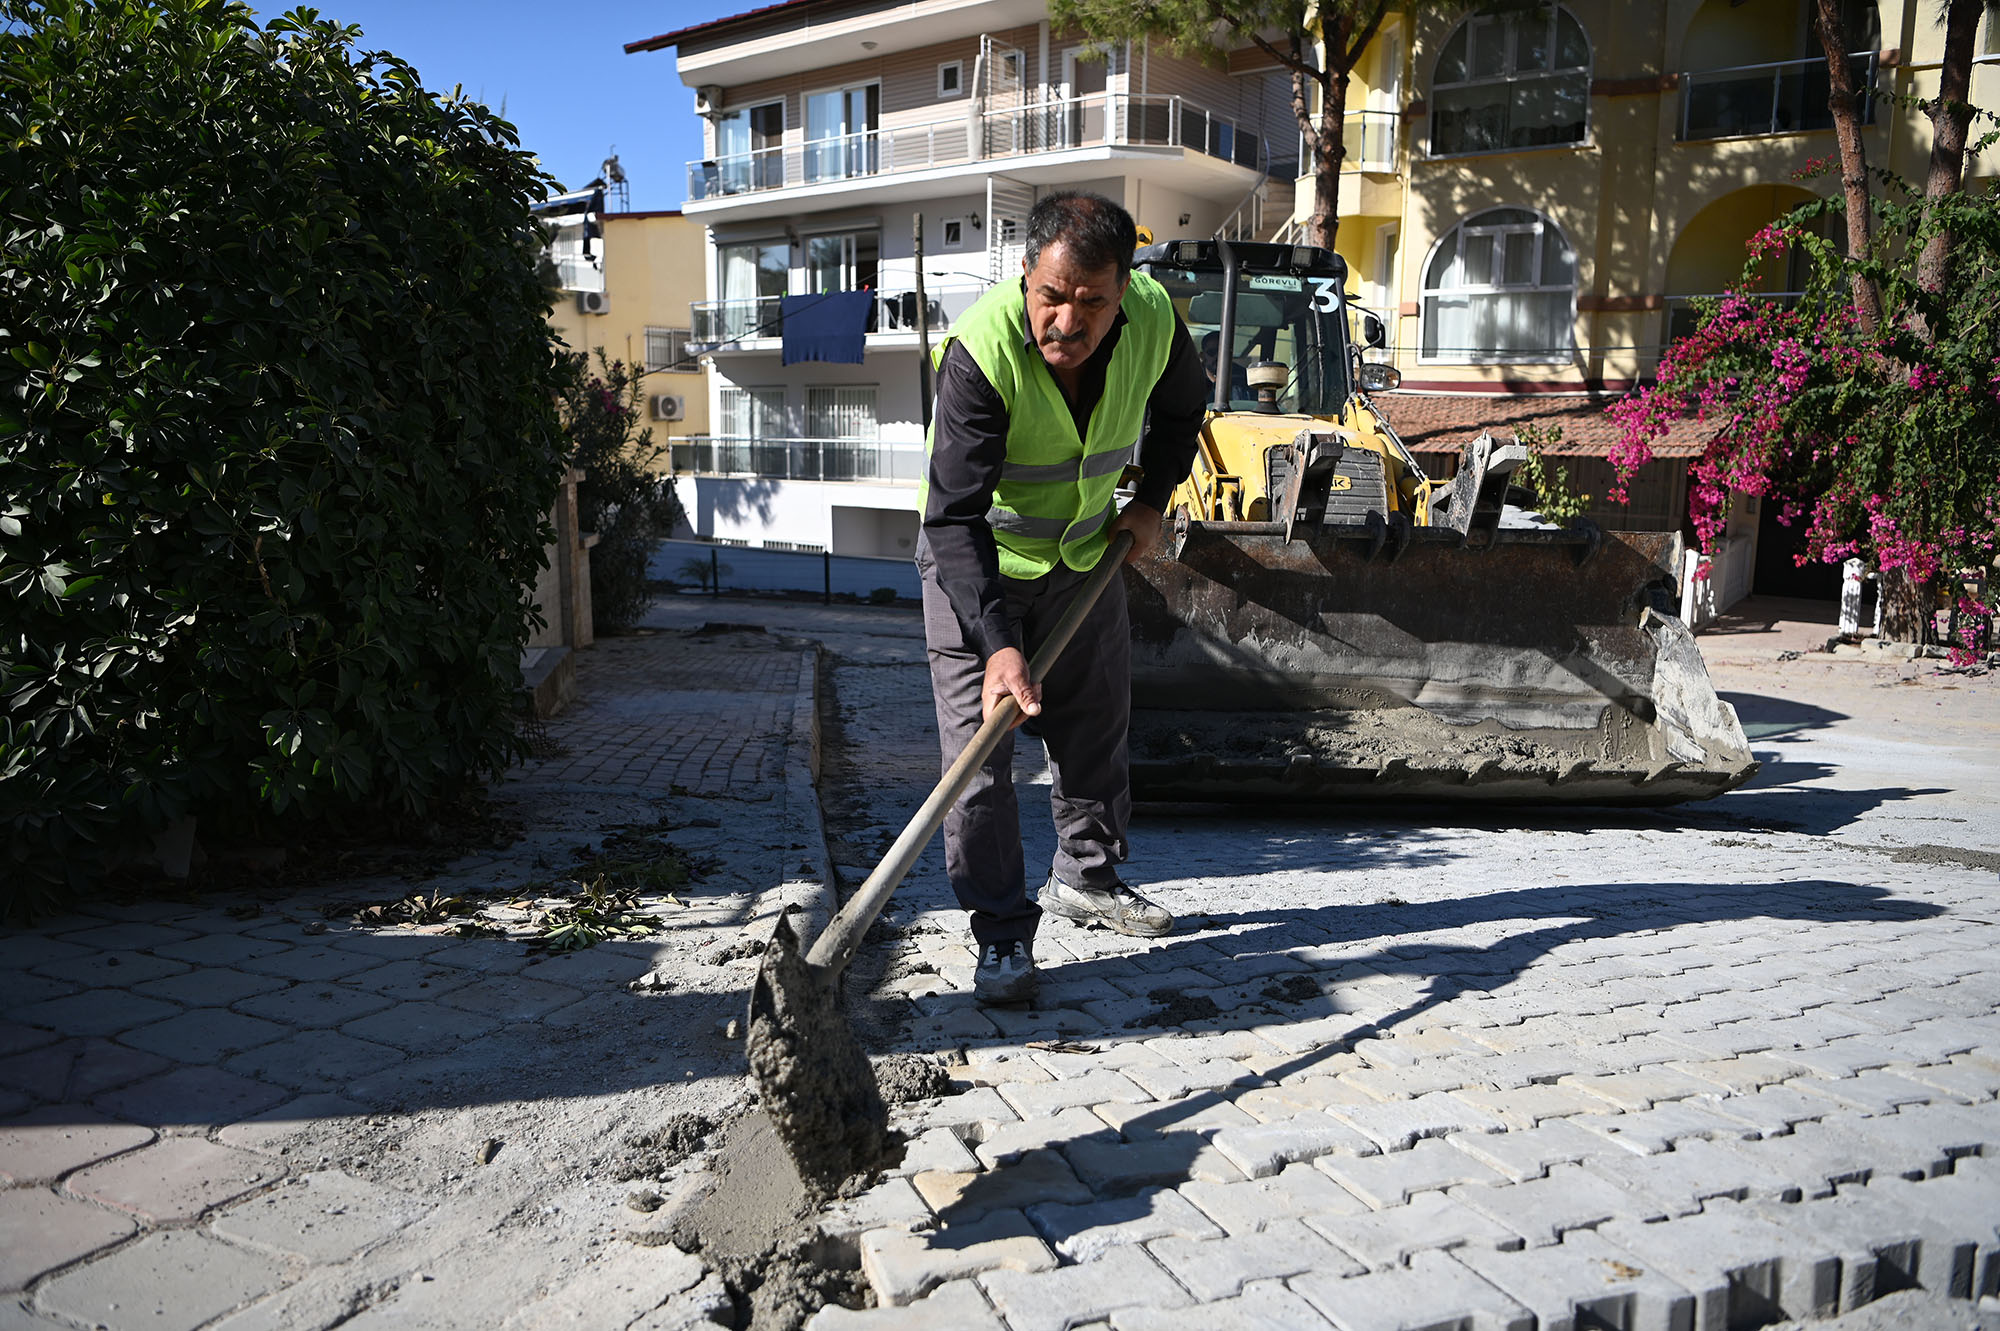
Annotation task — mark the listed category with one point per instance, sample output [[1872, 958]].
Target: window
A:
[[951, 78], [1517, 80], [752, 276], [753, 413], [1500, 286], [748, 150], [666, 349], [954, 232], [841, 130], [843, 261], [841, 418]]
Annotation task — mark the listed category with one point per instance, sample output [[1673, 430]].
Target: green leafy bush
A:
[[277, 429], [622, 497]]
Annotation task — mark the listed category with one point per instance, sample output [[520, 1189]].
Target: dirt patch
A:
[[903, 1078], [1175, 1009], [1292, 989], [1939, 855], [650, 1154], [736, 951], [755, 1226]]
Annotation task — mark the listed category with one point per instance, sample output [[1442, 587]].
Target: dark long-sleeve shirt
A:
[[970, 445]]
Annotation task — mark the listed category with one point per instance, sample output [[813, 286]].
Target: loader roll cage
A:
[[1268, 305]]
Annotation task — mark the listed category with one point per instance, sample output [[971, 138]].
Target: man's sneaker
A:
[[1006, 973], [1116, 907]]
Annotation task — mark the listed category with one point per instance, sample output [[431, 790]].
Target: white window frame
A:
[[751, 393], [865, 143], [1469, 224], [676, 339], [964, 241], [956, 69], [1511, 77], [866, 401]]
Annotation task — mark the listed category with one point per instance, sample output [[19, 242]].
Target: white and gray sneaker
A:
[[1116, 907], [1006, 973]]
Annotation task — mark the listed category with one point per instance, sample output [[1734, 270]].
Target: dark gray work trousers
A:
[[1086, 710]]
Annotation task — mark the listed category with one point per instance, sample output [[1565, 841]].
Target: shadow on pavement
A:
[[1766, 718]]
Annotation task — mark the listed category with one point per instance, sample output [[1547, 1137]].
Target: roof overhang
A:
[[805, 35]]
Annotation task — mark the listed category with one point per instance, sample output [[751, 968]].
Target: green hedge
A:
[[277, 430]]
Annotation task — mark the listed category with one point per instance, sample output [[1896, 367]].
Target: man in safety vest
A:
[[1047, 388]]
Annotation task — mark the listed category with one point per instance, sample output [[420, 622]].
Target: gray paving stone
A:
[[219, 949], [176, 1178], [190, 1098], [1936, 1041], [1961, 1078], [1585, 1282], [1172, 1081], [958, 1304], [420, 1027], [1873, 1260], [1391, 1180], [1203, 1113], [1189, 1050], [1265, 1148], [973, 1113], [1112, 1168], [483, 956], [128, 936], [1074, 1295], [1651, 1131], [208, 986], [1085, 1233], [76, 1069], [44, 1144], [324, 1218], [1568, 1197], [1295, 1192], [1289, 1099], [411, 980], [1525, 1106], [1408, 1081], [1525, 1153], [40, 1231], [16, 1038], [1434, 1293], [98, 970], [1010, 1141], [1683, 1180], [1263, 1306], [1219, 1268], [32, 949], [618, 1285], [1740, 1269], [1956, 1243], [1844, 1058], [314, 1006], [95, 1012], [312, 965], [392, 947], [1642, 1088], [890, 1204], [1395, 1126], [1772, 1111], [204, 1035], [995, 1065], [1039, 1176], [275, 1127], [1910, 1144], [1042, 1099], [1869, 1092], [170, 1281], [315, 1060], [1385, 1240], [1742, 1074], [937, 1149]]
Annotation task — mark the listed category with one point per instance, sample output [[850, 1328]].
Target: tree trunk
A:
[[1906, 607], [1329, 146], [1951, 115], [1853, 156]]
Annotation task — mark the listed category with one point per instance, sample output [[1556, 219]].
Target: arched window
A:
[[1515, 80], [1500, 286]]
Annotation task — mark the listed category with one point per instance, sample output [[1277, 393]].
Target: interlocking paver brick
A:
[[1290, 1098], [1434, 1293], [95, 1012], [1568, 1197], [1408, 1081], [1525, 1106], [204, 1035], [1641, 1089], [1682, 1180], [1526, 1153], [128, 935], [1391, 1180], [1873, 1260], [1772, 1111], [1041, 1099], [95, 970], [1935, 1041], [1073, 1295], [313, 965], [1173, 1080], [1845, 1058], [220, 949], [1907, 1144], [511, 997], [170, 1281], [1396, 1125], [40, 1231], [972, 1112], [1192, 1049], [1743, 1073], [1205, 1113], [959, 1304], [618, 1286], [1119, 1167], [1038, 1176], [1085, 1233], [1009, 1141], [16, 1038], [1869, 1092], [411, 980], [420, 1027], [1585, 1281], [1741, 1269], [1263, 1306], [937, 1149], [890, 1204], [1119, 1056], [176, 1178], [209, 986], [1218, 1268], [191, 1098], [1954, 1247], [904, 1266], [1383, 1240], [1960, 1078], [1295, 1192], [994, 1065], [47, 1143], [76, 1069], [274, 1127], [1263, 1149], [1651, 1131], [324, 1217], [315, 1060]]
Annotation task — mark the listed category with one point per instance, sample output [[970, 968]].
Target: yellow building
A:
[[628, 280], [1535, 196]]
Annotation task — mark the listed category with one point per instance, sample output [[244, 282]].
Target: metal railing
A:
[[720, 323], [1050, 125], [1369, 140], [798, 459], [1780, 97]]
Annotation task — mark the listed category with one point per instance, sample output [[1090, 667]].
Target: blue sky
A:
[[562, 73]]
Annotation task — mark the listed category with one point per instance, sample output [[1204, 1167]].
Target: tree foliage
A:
[[622, 497], [278, 427]]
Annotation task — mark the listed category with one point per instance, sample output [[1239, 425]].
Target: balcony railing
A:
[[1099, 120], [1785, 97], [720, 323], [1370, 141], [797, 459]]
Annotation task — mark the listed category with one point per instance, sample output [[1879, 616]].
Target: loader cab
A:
[[1276, 314]]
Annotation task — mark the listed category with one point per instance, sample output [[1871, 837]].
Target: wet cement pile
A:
[[1359, 738], [904, 1078], [650, 1154]]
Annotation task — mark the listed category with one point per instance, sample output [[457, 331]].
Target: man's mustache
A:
[[1056, 335]]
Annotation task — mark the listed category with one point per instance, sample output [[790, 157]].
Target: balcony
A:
[[733, 456], [1783, 97], [1370, 141], [727, 325], [1097, 121]]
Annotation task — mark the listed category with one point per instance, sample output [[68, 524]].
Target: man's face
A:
[[1070, 308]]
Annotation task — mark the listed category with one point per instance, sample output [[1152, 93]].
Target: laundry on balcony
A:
[[830, 327]]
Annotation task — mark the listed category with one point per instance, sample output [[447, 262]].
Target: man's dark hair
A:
[[1097, 231]]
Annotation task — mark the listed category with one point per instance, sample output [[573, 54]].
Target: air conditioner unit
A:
[[707, 99], [669, 406], [593, 302]]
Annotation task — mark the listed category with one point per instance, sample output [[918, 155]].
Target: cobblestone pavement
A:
[[1703, 1067]]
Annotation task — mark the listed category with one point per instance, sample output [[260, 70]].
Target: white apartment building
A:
[[835, 129]]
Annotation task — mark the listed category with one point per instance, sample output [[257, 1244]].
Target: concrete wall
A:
[[802, 513]]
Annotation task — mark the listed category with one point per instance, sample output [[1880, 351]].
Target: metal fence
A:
[[797, 459], [717, 323], [718, 568], [1781, 97]]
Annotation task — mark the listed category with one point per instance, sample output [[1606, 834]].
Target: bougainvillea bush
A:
[[277, 430], [1886, 442], [624, 497]]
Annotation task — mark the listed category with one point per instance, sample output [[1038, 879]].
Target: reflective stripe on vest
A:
[[1048, 529], [1083, 469]]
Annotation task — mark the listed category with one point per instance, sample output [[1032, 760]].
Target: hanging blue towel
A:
[[832, 327]]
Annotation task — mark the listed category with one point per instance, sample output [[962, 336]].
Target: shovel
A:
[[816, 1085]]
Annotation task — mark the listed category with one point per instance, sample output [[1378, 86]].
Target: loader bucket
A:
[[1358, 661]]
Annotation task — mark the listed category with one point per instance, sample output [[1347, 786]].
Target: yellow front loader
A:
[[1321, 620]]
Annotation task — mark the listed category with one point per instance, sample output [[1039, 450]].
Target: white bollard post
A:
[[1850, 599]]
